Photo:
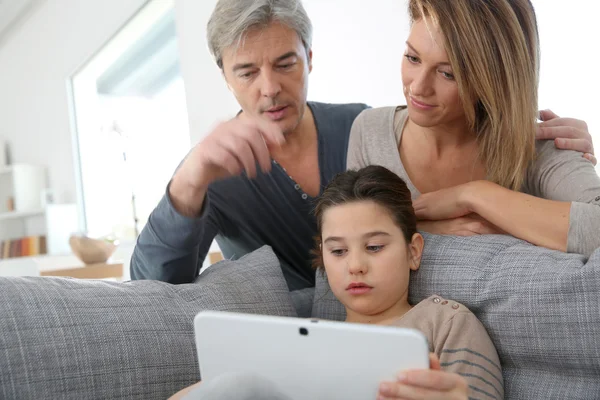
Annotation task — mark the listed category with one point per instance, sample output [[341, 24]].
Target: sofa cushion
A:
[[540, 307], [77, 339]]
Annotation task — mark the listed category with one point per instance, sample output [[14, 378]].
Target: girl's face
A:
[[430, 88], [368, 261]]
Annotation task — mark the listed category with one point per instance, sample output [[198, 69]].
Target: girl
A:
[[368, 245]]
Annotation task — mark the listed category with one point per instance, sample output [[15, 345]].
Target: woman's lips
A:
[[420, 105]]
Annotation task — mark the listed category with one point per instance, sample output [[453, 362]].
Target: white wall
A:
[[36, 61], [357, 51], [569, 78], [208, 100]]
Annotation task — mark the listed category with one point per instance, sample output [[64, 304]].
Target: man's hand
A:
[[567, 133], [425, 384], [231, 148]]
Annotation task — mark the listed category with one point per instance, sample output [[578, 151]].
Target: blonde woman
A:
[[465, 143]]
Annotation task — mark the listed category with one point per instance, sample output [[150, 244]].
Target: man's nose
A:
[[269, 84]]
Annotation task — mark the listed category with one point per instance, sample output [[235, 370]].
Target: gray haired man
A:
[[253, 180]]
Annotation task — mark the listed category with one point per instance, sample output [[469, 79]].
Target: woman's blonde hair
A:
[[493, 49]]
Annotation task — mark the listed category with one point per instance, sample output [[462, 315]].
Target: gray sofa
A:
[[70, 339]]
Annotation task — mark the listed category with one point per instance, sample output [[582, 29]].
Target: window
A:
[[131, 122]]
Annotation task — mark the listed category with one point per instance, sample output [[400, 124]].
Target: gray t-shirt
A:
[[559, 175], [246, 214]]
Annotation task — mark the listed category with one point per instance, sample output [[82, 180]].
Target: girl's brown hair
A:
[[493, 48], [373, 183]]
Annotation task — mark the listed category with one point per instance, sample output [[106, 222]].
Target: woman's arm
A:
[[560, 209], [539, 221]]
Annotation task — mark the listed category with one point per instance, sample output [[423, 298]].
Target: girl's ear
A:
[[317, 254], [416, 251]]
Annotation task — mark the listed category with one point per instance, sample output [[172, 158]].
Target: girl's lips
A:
[[358, 288]]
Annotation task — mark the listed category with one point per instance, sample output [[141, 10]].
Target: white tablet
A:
[[307, 359]]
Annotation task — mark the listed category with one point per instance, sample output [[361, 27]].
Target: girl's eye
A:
[[338, 252], [374, 249]]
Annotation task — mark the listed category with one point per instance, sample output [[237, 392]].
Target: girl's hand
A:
[[425, 384]]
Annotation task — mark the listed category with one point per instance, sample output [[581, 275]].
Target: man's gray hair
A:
[[232, 19]]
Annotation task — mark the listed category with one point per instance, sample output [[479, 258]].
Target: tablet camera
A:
[[304, 331]]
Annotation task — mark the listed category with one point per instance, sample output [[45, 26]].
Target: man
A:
[[253, 179]]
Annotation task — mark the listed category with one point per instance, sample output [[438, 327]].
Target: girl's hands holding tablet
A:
[[425, 384]]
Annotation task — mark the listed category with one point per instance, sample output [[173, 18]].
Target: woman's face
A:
[[429, 86], [367, 259]]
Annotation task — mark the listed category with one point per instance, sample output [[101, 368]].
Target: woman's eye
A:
[[448, 75], [411, 59]]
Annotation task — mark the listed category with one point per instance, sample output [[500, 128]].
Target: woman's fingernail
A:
[[385, 387], [401, 377]]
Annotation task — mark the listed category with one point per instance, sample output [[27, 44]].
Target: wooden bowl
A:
[[91, 251]]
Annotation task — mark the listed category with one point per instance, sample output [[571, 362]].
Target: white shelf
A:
[[20, 214]]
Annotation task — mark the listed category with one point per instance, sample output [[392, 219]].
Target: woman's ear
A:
[[416, 251]]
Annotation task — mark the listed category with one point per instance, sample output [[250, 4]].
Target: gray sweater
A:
[[559, 175]]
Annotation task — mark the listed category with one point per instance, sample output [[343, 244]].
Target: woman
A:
[[368, 244], [465, 144]]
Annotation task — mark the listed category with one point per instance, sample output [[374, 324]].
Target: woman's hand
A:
[[447, 203], [426, 384], [469, 225]]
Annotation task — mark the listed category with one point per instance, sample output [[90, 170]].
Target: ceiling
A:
[[11, 12]]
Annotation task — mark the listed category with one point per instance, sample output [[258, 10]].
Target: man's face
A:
[[268, 75]]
